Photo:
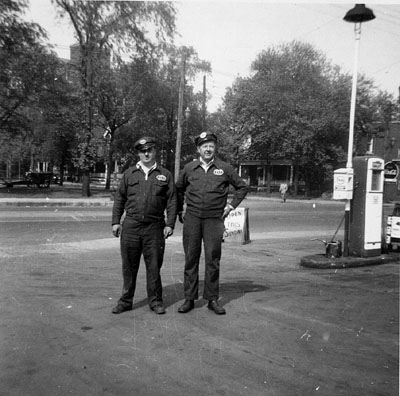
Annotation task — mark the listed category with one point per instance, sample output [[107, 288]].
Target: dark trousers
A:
[[210, 231], [137, 239]]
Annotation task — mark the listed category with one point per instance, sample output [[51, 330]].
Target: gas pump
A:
[[365, 227]]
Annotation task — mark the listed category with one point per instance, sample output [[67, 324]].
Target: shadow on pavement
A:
[[228, 290]]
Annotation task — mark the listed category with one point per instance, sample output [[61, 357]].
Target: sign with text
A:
[[343, 183], [391, 172], [237, 226]]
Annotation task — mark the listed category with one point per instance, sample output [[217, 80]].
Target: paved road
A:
[[288, 330], [266, 216]]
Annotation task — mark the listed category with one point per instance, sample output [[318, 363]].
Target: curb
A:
[[107, 201], [43, 202], [322, 262]]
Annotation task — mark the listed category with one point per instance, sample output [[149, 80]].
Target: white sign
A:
[[234, 223], [343, 183]]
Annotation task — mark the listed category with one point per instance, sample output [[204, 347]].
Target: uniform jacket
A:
[[146, 200], [206, 193]]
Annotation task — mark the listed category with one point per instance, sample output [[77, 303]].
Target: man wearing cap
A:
[[204, 184], [146, 191]]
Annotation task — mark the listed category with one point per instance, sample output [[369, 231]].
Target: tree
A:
[[289, 108], [303, 121], [186, 55], [23, 69], [27, 73], [154, 90], [102, 26], [296, 106], [123, 98], [62, 117]]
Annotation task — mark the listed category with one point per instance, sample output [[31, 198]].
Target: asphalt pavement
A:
[[289, 330], [319, 260]]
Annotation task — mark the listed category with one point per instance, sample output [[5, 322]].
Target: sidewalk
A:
[[70, 194], [106, 199], [46, 202]]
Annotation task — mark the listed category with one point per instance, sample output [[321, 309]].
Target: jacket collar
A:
[[214, 162], [138, 168], [139, 165]]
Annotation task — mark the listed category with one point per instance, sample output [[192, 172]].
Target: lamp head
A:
[[359, 13]]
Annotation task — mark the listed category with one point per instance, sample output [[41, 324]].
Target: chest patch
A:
[[218, 172], [161, 178]]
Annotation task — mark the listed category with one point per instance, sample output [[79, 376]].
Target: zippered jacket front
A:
[[146, 200], [206, 193]]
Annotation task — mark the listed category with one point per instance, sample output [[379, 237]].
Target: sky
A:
[[230, 35]]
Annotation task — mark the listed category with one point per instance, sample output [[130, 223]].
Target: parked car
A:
[[5, 183], [39, 179]]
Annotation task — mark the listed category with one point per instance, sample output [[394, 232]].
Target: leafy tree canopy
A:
[[104, 29], [133, 27], [295, 105], [24, 65]]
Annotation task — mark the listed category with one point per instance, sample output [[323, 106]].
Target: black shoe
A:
[[158, 309], [119, 308], [187, 306], [214, 306]]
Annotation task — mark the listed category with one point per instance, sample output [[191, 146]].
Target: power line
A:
[[386, 67], [384, 16], [387, 32], [393, 9]]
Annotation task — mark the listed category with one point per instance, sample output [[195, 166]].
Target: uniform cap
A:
[[205, 137], [144, 143]]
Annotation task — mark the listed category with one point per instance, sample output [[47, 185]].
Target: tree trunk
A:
[[108, 174], [296, 181], [269, 176], [109, 165], [61, 181], [85, 183], [307, 187]]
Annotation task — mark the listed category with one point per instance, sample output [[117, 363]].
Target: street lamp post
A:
[[358, 14]]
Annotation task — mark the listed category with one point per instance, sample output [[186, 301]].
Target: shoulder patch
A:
[[161, 178], [218, 172]]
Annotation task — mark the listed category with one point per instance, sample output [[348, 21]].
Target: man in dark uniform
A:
[[145, 192], [204, 185]]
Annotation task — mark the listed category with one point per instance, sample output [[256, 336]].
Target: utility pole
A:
[[179, 126], [204, 104]]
